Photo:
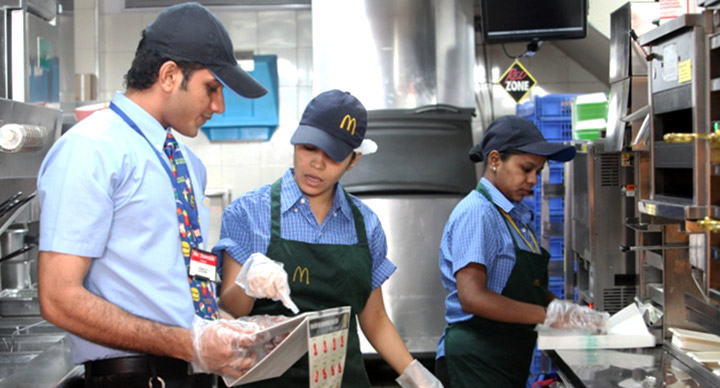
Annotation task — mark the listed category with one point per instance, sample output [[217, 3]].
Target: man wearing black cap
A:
[[494, 268], [124, 217], [330, 241]]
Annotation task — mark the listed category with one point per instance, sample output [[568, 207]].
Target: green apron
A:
[[321, 276], [485, 353]]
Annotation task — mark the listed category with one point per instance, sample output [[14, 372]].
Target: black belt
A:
[[138, 365]]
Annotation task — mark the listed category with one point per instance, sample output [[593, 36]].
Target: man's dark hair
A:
[[145, 67]]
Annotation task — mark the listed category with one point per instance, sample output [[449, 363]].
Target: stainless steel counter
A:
[[662, 366], [51, 368]]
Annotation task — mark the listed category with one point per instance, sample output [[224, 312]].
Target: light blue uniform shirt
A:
[[476, 232], [246, 225], [105, 195]]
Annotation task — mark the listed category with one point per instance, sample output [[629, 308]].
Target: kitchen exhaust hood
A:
[[399, 54]]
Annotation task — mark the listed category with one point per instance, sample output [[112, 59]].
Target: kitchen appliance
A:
[[597, 206], [413, 182], [30, 55], [411, 64], [399, 54], [34, 129], [682, 172]]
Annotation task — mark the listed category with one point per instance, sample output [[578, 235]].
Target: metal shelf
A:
[[656, 292], [704, 314], [645, 228], [676, 210], [654, 260]]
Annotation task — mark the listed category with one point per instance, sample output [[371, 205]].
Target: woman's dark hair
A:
[[504, 155], [145, 67]]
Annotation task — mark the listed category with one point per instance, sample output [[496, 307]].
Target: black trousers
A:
[[140, 371], [441, 372]]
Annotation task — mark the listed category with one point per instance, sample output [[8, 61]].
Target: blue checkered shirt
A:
[[476, 232], [246, 225]]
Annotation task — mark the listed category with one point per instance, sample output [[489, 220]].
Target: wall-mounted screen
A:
[[525, 20]]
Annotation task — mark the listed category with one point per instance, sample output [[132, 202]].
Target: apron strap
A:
[[275, 214], [481, 188], [358, 218], [275, 210]]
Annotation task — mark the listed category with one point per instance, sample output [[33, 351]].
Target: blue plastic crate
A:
[[554, 106], [536, 365], [557, 176], [557, 217], [556, 130], [557, 206], [556, 285], [559, 292], [526, 110], [557, 245], [557, 172]]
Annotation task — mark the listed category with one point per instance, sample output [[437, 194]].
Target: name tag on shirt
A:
[[203, 265]]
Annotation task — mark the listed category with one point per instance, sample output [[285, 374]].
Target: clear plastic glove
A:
[[416, 375], [564, 314], [261, 277], [226, 347], [263, 322]]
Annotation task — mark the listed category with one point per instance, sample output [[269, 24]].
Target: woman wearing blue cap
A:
[[306, 220], [495, 270]]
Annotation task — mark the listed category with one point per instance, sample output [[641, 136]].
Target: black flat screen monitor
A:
[[524, 20]]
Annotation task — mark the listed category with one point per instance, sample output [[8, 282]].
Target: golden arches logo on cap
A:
[[351, 124]]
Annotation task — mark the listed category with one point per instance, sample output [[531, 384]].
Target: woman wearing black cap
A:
[[329, 241], [494, 268]]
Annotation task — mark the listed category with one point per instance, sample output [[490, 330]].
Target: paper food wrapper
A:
[[626, 329]]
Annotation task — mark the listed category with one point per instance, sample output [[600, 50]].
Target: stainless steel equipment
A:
[[679, 172], [30, 52], [678, 105], [410, 53], [416, 60], [414, 296], [32, 350], [597, 207], [15, 271], [420, 172], [18, 170]]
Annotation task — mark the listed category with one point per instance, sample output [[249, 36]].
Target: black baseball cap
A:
[[334, 121], [189, 32], [516, 133]]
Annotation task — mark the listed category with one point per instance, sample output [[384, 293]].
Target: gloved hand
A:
[[261, 277], [265, 321], [564, 314], [224, 346], [416, 375]]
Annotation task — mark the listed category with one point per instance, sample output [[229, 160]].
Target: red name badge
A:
[[203, 265]]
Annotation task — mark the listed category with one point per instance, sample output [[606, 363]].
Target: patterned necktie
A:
[[202, 293]]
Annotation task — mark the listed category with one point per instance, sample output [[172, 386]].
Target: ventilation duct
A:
[[396, 54]]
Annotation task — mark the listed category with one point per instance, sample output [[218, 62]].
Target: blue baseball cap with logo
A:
[[190, 32], [334, 121], [518, 134]]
